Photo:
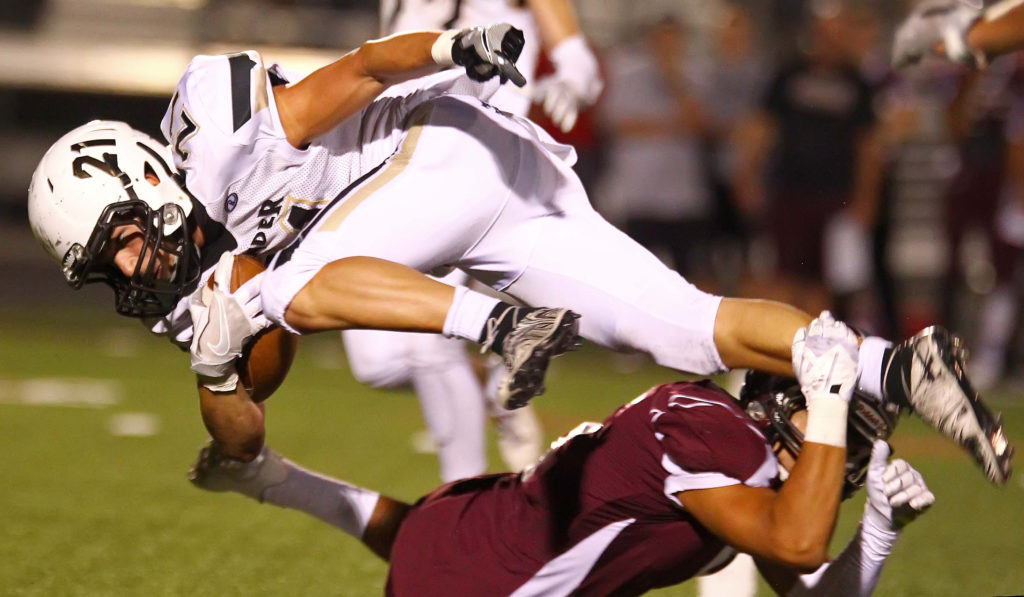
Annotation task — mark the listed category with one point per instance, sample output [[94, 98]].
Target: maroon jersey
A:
[[598, 515]]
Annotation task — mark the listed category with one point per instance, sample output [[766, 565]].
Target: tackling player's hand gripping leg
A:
[[825, 359]]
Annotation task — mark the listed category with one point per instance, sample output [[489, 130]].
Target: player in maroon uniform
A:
[[669, 487]]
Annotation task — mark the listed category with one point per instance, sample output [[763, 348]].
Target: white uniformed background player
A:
[[451, 396], [548, 24]]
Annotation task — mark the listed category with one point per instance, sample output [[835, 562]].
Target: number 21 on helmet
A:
[[101, 176]]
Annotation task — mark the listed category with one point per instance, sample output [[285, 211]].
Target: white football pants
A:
[[487, 193]]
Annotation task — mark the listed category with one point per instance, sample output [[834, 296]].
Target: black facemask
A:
[[771, 401], [141, 294]]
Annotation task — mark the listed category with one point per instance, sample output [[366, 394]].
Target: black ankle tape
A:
[[895, 366], [502, 319]]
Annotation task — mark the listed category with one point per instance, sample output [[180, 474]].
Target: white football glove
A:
[[485, 52], [897, 493], [223, 322], [934, 21], [825, 359], [575, 84]]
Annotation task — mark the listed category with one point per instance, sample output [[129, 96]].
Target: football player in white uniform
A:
[[430, 177], [451, 396], [106, 203]]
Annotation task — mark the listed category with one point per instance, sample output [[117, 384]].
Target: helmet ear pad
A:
[[772, 400], [108, 164]]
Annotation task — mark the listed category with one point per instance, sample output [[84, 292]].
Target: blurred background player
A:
[[548, 25], [981, 200], [731, 81], [454, 400], [963, 31], [985, 197], [809, 167], [654, 183], [645, 499]]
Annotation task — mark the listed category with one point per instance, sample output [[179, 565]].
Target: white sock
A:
[[335, 502], [468, 314], [869, 365]]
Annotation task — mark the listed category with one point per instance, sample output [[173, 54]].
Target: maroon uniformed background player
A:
[[669, 487]]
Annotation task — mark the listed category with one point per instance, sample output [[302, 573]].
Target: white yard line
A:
[[134, 425], [68, 391]]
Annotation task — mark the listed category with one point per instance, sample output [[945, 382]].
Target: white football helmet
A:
[[94, 179]]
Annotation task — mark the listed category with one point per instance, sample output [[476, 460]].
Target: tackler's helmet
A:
[[93, 180], [771, 401]]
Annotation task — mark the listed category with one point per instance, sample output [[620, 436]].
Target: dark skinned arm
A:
[[792, 526]]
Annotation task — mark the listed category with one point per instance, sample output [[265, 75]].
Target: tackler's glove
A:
[[223, 321], [825, 359], [575, 84], [897, 493], [934, 21], [485, 52], [825, 355]]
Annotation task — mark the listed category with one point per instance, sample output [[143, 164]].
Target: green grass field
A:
[[85, 512]]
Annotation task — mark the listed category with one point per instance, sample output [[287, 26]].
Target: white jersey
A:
[[226, 137], [397, 16]]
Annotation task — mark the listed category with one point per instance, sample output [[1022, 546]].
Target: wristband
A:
[[441, 51], [227, 383], [826, 421]]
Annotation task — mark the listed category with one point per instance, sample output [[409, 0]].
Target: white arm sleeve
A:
[[855, 572]]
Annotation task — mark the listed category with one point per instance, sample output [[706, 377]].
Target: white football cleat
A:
[[931, 372], [214, 471]]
